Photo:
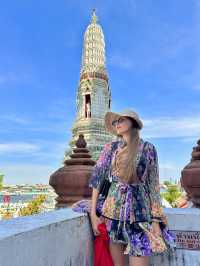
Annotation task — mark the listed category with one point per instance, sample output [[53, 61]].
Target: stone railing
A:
[[57, 238], [64, 238]]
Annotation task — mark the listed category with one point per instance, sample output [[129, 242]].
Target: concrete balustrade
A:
[[57, 238], [64, 238]]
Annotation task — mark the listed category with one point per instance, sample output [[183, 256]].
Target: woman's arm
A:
[[100, 169], [94, 218], [97, 176], [153, 184], [95, 194]]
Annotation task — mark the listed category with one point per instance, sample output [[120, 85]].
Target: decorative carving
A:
[[88, 109], [71, 181], [190, 177], [93, 58], [94, 17], [93, 93]]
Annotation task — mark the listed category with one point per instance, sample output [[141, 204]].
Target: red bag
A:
[[102, 256]]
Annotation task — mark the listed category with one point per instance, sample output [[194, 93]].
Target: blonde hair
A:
[[125, 160]]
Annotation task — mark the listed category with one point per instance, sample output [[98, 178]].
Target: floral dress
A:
[[129, 209]]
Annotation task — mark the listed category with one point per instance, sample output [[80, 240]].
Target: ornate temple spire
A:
[[94, 17], [93, 53], [93, 98]]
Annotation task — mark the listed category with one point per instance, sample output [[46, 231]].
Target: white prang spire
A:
[[93, 54], [93, 97]]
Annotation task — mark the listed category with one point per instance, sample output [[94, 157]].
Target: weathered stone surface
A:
[[190, 177], [71, 181], [56, 238], [64, 237]]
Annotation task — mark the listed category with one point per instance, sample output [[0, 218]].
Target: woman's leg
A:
[[139, 261], [117, 253]]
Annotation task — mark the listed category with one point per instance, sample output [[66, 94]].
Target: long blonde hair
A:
[[125, 160]]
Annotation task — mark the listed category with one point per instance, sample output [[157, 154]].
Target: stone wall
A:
[[56, 238], [64, 238], [182, 221]]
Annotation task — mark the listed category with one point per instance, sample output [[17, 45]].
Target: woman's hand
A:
[[95, 220], [156, 229]]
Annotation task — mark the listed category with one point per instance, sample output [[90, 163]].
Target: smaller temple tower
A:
[[93, 98]]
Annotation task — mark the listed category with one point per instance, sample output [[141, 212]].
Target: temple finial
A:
[[94, 17]]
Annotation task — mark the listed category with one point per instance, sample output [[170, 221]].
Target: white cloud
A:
[[18, 147], [52, 121], [15, 119], [15, 76], [121, 61], [167, 166], [189, 139], [2, 79], [169, 47], [197, 87], [40, 173], [163, 127], [7, 77], [40, 151], [46, 157], [27, 173], [169, 171]]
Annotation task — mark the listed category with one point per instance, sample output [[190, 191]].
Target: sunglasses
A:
[[118, 121]]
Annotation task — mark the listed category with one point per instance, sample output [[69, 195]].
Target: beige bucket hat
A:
[[110, 116]]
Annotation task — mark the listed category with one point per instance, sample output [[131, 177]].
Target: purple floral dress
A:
[[129, 209]]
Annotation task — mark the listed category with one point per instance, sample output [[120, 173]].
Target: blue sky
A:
[[153, 62]]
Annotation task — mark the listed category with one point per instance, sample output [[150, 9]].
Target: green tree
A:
[[1, 181], [172, 194], [34, 206], [167, 183]]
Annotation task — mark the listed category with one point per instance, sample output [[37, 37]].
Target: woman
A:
[[132, 210]]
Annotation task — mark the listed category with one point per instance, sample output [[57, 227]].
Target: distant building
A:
[[93, 95]]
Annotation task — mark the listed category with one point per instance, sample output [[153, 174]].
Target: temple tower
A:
[[93, 97]]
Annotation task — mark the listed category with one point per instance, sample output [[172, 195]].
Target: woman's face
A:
[[123, 125]]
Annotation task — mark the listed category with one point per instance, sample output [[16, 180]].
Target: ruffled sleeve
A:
[[101, 168], [153, 185]]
